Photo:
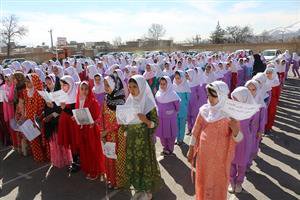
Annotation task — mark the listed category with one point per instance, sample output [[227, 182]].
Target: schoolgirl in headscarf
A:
[[60, 156], [92, 160], [242, 149], [183, 91], [168, 103], [67, 137], [142, 170], [110, 132], [212, 143], [34, 105], [150, 76]]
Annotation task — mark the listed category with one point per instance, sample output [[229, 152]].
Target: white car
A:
[[270, 54]]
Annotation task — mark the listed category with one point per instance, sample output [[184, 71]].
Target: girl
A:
[[67, 137], [150, 76], [4, 134], [59, 155], [110, 129], [295, 64], [34, 105], [243, 149], [19, 142], [142, 169], [194, 103], [98, 90], [258, 122], [212, 143], [273, 81], [183, 90], [120, 74], [91, 156], [8, 103], [168, 106], [71, 71]]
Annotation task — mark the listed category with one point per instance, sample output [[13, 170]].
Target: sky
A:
[[95, 20]]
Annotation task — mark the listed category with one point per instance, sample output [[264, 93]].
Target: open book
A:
[[128, 114], [57, 96], [83, 116]]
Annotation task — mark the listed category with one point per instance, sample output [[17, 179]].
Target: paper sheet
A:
[[109, 150], [240, 111], [83, 116], [127, 114], [29, 130], [57, 96]]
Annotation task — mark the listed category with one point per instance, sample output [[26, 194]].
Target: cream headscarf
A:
[[145, 100]]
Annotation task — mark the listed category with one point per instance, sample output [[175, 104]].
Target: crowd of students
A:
[[173, 91]]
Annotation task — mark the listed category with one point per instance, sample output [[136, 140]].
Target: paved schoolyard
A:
[[274, 175]]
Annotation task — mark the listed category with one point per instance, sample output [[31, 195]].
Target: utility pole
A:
[[50, 31]]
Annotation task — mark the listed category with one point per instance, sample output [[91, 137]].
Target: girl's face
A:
[[133, 89], [207, 69], [84, 90], [97, 80], [148, 68], [163, 84], [177, 79], [28, 84], [269, 75], [107, 88], [7, 80], [15, 81], [49, 84], [126, 70], [252, 89], [65, 87], [167, 67], [212, 100], [55, 71], [187, 76]]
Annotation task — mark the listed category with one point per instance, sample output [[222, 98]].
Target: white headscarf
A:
[[7, 72], [258, 97], [40, 73], [145, 99], [194, 81], [72, 90], [183, 86], [98, 88], [275, 80], [27, 66], [296, 57], [169, 95], [149, 74], [72, 72], [110, 82], [242, 94], [214, 113], [92, 71]]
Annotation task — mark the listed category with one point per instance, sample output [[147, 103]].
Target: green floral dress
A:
[[142, 168]]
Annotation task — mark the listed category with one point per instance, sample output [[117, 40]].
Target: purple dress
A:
[[257, 125], [242, 154], [227, 78], [167, 127], [100, 99], [194, 105], [241, 77], [202, 95]]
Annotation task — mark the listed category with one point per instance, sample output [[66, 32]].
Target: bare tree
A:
[[117, 41], [194, 40], [238, 34], [156, 31], [10, 31]]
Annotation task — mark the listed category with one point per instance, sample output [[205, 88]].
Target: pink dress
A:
[[214, 152]]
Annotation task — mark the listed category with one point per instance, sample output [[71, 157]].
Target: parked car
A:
[[270, 54], [77, 56], [8, 61]]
